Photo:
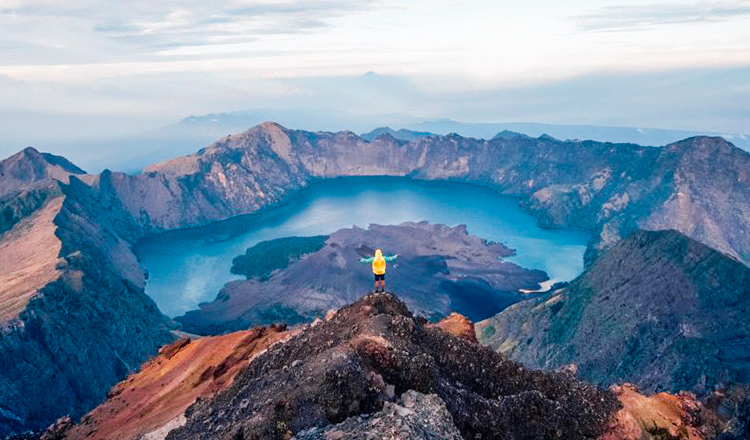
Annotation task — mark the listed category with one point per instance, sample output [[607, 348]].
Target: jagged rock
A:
[[457, 325], [733, 405], [659, 310], [351, 364], [661, 416], [415, 417], [58, 431]]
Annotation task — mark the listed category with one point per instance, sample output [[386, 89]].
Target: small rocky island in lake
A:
[[440, 269]]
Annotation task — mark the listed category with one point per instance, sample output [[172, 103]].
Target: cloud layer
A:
[[93, 67], [638, 17]]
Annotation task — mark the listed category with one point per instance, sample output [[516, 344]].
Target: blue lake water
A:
[[187, 267]]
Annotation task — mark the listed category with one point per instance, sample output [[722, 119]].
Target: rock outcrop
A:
[[457, 325], [150, 404], [370, 352], [439, 270], [658, 309], [414, 417], [662, 416]]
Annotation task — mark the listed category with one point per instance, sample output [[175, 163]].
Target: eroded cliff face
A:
[[658, 309]]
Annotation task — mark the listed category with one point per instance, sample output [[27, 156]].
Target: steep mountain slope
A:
[[29, 259], [658, 309], [74, 317], [440, 269], [154, 399]]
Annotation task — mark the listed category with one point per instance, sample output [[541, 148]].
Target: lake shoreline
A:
[[326, 205]]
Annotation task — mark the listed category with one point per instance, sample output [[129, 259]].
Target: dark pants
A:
[[380, 278]]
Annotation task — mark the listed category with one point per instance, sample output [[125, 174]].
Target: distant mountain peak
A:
[[400, 134], [31, 155], [265, 125], [507, 134], [385, 137], [30, 151], [546, 137], [702, 142], [29, 165]]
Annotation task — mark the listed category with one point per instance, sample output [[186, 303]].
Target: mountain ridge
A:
[[400, 134], [609, 189], [134, 411], [29, 166], [657, 309], [367, 353]]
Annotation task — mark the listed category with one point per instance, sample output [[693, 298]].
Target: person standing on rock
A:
[[378, 266]]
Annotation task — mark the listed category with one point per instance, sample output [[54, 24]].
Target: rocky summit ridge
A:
[[370, 371], [373, 352]]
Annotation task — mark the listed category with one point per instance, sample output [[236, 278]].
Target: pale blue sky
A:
[[119, 67]]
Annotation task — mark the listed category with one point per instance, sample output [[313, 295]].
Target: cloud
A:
[[637, 17], [109, 29]]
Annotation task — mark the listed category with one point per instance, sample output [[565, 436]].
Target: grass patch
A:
[[266, 257]]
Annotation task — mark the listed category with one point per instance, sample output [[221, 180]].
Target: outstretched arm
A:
[[367, 260], [391, 257]]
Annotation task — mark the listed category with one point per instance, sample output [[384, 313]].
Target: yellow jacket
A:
[[378, 262]]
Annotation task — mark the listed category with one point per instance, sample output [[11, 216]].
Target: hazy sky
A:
[[91, 66]]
